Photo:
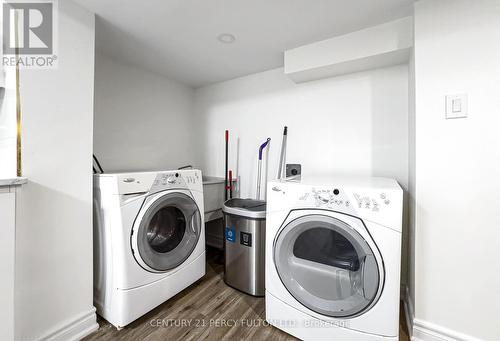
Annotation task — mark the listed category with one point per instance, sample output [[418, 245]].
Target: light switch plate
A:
[[456, 106]]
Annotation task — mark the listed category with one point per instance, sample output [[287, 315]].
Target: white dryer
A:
[[149, 240], [333, 251]]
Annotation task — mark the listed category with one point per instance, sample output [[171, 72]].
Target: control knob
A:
[[323, 197]]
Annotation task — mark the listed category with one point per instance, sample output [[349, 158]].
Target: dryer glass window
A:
[[327, 266], [328, 247], [166, 229]]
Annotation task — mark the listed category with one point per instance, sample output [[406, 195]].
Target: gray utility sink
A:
[[213, 196]]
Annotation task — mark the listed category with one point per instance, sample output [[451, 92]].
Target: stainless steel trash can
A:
[[244, 245]]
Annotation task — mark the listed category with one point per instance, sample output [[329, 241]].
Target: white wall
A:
[[350, 124], [7, 265], [8, 126], [54, 210], [457, 168], [412, 204], [143, 121], [355, 124]]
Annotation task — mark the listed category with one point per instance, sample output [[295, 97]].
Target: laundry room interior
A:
[[249, 170]]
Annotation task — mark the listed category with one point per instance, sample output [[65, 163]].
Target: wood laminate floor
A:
[[207, 310]]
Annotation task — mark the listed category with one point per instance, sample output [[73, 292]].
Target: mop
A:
[[259, 167]]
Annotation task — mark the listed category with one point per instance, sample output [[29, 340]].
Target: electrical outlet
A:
[[293, 169]]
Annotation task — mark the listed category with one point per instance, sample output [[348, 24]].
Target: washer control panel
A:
[[168, 180], [151, 182]]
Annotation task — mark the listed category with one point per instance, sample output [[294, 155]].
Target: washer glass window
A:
[[169, 231], [166, 229], [327, 266]]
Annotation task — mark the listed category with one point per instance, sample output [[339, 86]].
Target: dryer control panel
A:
[[379, 202], [373, 203], [337, 198], [330, 198]]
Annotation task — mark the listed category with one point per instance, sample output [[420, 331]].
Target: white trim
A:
[[74, 329], [421, 330], [427, 331]]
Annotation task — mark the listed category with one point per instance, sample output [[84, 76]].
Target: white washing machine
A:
[[333, 251], [149, 240]]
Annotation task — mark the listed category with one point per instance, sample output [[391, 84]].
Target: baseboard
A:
[[426, 331], [420, 330], [74, 329]]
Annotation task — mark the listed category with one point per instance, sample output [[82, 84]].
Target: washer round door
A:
[[167, 232], [327, 266]]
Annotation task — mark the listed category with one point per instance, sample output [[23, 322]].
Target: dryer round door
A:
[[166, 231], [327, 266]]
